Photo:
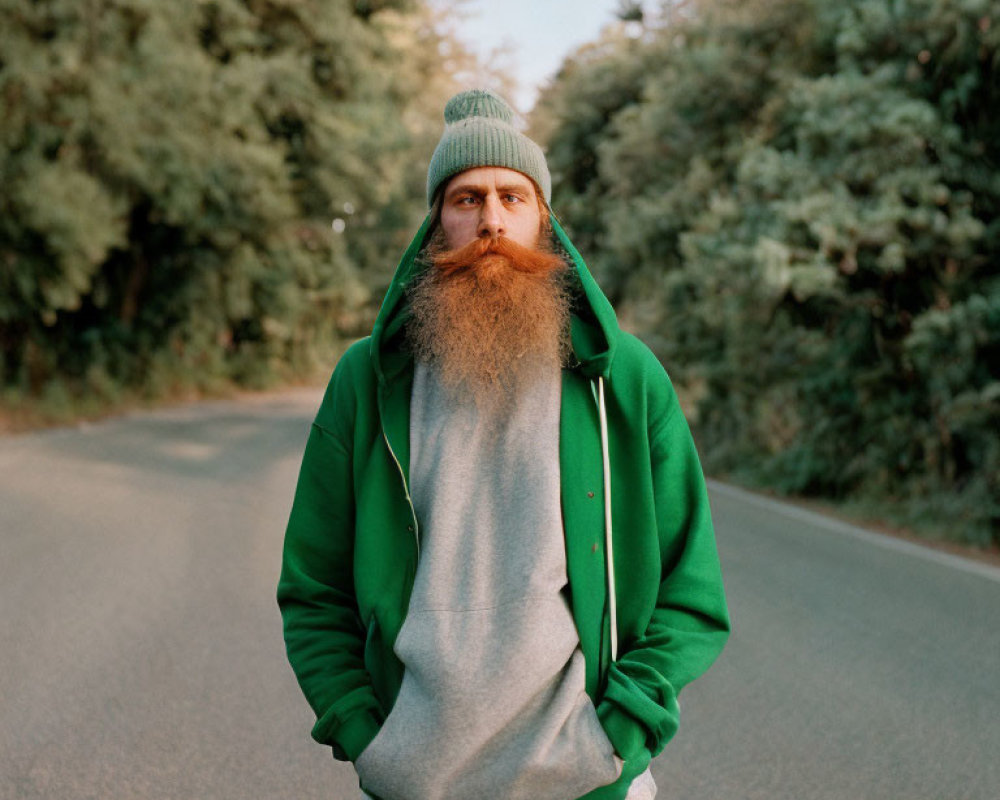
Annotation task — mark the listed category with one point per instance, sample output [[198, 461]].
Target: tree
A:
[[194, 190], [797, 203]]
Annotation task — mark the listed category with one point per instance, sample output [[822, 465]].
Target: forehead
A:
[[490, 178]]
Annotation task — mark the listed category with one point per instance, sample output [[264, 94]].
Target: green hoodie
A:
[[352, 542]]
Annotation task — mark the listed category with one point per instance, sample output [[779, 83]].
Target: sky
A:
[[540, 33]]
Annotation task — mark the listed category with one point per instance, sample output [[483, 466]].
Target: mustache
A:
[[518, 257]]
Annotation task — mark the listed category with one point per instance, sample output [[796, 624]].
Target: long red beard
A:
[[491, 316]]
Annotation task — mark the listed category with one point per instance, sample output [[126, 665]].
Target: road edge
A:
[[883, 540]]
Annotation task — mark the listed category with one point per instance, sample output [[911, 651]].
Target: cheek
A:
[[456, 229], [526, 230]]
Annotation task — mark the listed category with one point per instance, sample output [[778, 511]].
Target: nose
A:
[[491, 218]]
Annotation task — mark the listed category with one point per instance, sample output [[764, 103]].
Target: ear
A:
[[545, 218], [435, 210]]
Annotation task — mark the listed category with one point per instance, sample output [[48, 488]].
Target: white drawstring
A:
[[609, 552]]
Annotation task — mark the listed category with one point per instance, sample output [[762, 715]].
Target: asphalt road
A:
[[141, 653]]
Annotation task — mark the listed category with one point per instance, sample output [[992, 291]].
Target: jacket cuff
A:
[[625, 732], [349, 738]]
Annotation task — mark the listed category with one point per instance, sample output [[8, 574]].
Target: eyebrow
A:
[[481, 188]]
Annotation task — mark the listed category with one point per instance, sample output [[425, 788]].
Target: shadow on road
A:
[[216, 442]]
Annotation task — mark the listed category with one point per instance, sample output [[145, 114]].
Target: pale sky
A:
[[540, 34]]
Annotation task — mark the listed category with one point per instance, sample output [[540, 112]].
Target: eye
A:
[[511, 198]]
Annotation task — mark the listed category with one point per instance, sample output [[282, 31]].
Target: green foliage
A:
[[797, 203], [170, 172]]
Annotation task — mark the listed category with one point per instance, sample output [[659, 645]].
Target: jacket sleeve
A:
[[690, 622], [324, 637]]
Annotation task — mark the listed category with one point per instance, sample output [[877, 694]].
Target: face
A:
[[490, 201]]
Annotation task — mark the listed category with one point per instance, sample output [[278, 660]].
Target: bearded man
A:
[[499, 569]]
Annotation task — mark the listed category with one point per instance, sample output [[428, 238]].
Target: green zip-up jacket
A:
[[353, 540]]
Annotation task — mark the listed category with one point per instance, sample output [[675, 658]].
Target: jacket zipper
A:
[[406, 491], [609, 549]]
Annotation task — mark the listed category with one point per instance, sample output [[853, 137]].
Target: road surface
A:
[[141, 653]]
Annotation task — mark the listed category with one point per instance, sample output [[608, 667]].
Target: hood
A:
[[594, 328]]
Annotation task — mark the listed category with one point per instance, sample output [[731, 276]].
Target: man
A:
[[499, 568]]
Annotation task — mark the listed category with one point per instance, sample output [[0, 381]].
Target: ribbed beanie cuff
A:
[[479, 132]]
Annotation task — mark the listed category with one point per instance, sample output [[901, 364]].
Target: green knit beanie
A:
[[479, 132]]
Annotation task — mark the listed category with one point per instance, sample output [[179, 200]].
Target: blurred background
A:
[[795, 202]]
